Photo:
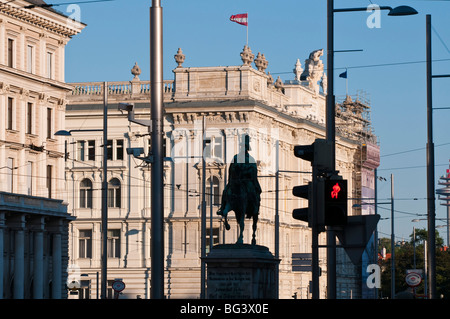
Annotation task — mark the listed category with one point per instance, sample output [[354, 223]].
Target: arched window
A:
[[86, 193], [212, 190], [114, 194]]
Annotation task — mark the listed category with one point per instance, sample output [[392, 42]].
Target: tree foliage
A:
[[405, 256]]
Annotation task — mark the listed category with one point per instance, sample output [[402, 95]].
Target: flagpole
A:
[[247, 28]]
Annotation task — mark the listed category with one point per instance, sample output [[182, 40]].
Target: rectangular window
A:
[[91, 150], [215, 238], [213, 148], [114, 243], [109, 150], [85, 243], [50, 65], [119, 149], [30, 58], [49, 181], [85, 289], [11, 53], [80, 150], [212, 192], [218, 146], [49, 123], [114, 150], [29, 118], [30, 178], [9, 117], [207, 150]]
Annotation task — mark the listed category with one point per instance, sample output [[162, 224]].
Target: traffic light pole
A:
[[331, 137], [315, 237], [157, 131]]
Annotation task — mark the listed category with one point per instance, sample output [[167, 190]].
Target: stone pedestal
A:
[[240, 272]]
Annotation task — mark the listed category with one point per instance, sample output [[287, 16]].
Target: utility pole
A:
[[331, 137], [392, 240], [203, 217], [157, 131], [104, 255], [430, 169]]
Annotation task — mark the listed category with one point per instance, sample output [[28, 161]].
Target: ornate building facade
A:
[[33, 216], [208, 111]]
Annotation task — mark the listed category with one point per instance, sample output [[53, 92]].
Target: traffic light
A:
[[319, 154], [335, 202], [304, 214]]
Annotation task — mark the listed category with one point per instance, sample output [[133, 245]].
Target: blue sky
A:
[[390, 69]]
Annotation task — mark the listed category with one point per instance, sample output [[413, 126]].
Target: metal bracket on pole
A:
[[129, 107]]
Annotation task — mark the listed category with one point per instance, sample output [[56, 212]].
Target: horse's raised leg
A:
[[224, 213]]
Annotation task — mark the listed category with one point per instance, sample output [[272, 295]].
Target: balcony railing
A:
[[116, 89]]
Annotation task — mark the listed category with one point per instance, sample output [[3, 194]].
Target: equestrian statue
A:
[[242, 194]]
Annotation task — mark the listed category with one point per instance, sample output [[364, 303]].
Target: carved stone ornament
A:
[[313, 70], [4, 88], [179, 58], [261, 63], [269, 79], [136, 71], [279, 84], [247, 56], [298, 70]]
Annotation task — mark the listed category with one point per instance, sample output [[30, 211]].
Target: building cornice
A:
[[35, 78], [44, 19]]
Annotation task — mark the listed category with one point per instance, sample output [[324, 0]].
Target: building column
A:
[[57, 263], [38, 269], [19, 259], [2, 226]]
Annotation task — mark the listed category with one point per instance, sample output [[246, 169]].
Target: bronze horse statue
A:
[[242, 194]]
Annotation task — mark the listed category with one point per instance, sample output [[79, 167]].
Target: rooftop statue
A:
[[313, 70], [242, 194]]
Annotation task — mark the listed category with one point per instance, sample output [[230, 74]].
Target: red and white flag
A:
[[240, 18]]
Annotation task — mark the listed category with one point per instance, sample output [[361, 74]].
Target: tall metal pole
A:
[[277, 223], [315, 272], [431, 209], [330, 105], [392, 240], [203, 217], [157, 131], [331, 137], [104, 260], [375, 257]]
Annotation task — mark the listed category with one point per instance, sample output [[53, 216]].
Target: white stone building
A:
[[233, 101], [33, 217]]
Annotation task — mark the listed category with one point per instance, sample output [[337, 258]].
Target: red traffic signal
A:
[[335, 209]]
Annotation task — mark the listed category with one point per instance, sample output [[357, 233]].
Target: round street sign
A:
[[118, 285], [413, 279]]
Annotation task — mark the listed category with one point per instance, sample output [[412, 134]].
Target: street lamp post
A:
[[157, 131], [431, 205], [392, 240], [104, 227], [330, 119]]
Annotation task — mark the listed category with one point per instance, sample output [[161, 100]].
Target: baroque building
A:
[[33, 215], [208, 111]]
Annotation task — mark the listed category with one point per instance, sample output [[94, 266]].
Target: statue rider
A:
[[242, 186]]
